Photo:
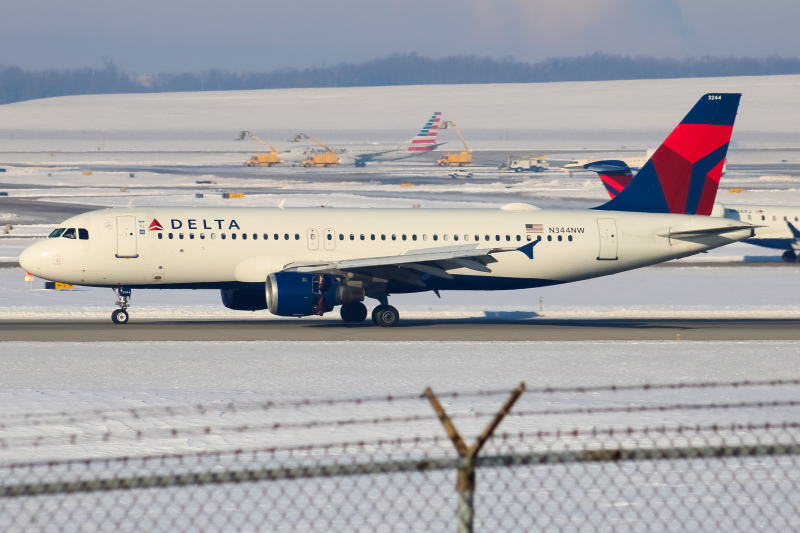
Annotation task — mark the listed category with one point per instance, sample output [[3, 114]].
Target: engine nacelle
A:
[[244, 299], [298, 294]]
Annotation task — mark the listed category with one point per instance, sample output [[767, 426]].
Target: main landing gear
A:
[[383, 315], [120, 316]]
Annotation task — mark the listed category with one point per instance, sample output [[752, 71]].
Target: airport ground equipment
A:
[[327, 159], [261, 160], [455, 160], [525, 164]]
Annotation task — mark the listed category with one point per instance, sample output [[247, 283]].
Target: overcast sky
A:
[[150, 36]]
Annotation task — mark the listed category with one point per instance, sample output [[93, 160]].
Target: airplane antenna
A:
[[280, 205], [130, 203]]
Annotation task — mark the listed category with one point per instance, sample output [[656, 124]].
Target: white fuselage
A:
[[774, 220], [349, 152], [218, 247]]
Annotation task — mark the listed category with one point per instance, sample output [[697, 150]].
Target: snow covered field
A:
[[151, 130]]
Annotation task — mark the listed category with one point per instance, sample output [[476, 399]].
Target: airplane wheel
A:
[[789, 256], [353, 312], [120, 316], [385, 316]]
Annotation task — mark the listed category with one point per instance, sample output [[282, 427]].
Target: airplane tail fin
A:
[[425, 141], [683, 174], [614, 174]]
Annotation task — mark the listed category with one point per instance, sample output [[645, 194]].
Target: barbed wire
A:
[[399, 442], [208, 430], [12, 420]]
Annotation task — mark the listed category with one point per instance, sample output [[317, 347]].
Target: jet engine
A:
[[244, 299], [298, 294]]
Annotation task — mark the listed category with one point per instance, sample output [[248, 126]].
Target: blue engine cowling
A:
[[298, 294], [244, 299]]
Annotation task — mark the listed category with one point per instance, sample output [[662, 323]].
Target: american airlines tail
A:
[[425, 140], [683, 174]]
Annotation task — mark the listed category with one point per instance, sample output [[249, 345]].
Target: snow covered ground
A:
[[151, 130]]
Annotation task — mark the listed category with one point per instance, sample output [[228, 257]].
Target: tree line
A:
[[17, 84]]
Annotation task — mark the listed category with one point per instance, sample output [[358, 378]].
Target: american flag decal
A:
[[534, 228]]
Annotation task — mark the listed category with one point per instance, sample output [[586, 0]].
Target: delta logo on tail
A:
[[615, 175], [683, 174], [155, 225], [425, 141]]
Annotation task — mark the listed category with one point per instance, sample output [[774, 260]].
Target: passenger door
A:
[[126, 236], [608, 239]]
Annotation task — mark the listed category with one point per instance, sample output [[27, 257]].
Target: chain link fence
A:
[[740, 475]]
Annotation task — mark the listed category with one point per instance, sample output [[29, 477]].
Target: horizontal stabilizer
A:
[[721, 230]]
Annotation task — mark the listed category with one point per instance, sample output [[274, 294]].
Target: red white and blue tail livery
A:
[[425, 141], [683, 174]]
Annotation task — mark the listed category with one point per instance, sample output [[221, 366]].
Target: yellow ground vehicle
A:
[[327, 159], [456, 160], [261, 160]]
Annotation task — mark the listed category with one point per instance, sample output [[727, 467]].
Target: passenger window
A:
[[202, 236], [549, 238], [362, 236], [795, 219], [372, 237], [297, 236], [180, 235], [286, 236], [312, 237], [213, 236], [477, 238], [330, 237], [233, 236], [569, 238], [394, 237], [341, 236], [404, 236], [435, 237], [276, 237], [414, 237], [763, 217], [266, 236], [508, 237], [56, 233], [487, 237], [455, 237], [519, 238], [170, 235], [352, 237], [445, 237], [528, 238], [750, 217], [559, 238], [497, 237], [191, 235], [69, 233], [424, 236], [83, 234], [538, 238], [222, 236], [160, 235], [383, 237], [773, 218], [255, 236], [244, 236]]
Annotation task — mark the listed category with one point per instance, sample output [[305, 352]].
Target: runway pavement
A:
[[471, 330]]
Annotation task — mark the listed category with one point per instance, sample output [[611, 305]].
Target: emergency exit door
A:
[[126, 237], [608, 239]]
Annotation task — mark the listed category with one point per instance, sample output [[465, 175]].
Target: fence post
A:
[[465, 482]]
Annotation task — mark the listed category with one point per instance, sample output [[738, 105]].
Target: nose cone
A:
[[31, 258]]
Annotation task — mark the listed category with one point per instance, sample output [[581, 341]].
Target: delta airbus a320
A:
[[307, 261]]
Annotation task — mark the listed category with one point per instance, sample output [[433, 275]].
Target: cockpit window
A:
[[56, 233], [69, 234], [83, 234]]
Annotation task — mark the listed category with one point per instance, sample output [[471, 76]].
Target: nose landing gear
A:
[[120, 316]]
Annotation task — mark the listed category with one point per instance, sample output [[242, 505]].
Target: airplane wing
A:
[[411, 265]]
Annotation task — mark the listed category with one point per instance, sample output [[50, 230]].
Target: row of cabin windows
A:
[[362, 237], [70, 233], [329, 236], [774, 218]]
